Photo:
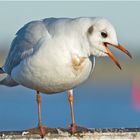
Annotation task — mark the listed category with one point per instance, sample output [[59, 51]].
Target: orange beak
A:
[[112, 56]]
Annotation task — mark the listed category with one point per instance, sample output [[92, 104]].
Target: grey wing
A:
[[23, 44]]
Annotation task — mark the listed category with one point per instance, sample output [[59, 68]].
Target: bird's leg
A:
[[73, 126], [42, 129], [38, 99]]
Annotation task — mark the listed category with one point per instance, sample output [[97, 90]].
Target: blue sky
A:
[[123, 15]]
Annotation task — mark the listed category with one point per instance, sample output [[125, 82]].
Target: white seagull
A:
[[57, 54]]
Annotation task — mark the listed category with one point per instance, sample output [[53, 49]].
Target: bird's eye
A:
[[104, 34]]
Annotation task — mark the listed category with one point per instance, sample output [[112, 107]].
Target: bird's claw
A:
[[41, 130], [73, 128]]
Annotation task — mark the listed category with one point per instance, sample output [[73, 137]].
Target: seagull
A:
[[58, 54]]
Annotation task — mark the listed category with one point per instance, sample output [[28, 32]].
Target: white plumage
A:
[[54, 54], [58, 54]]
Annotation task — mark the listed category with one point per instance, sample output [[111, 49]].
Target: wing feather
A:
[[23, 44]]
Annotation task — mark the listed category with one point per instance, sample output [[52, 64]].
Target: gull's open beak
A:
[[112, 56]]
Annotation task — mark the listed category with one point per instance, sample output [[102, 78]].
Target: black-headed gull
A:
[[58, 54]]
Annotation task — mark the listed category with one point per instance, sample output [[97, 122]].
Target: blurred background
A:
[[111, 98]]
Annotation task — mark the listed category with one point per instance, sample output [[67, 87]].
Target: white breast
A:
[[50, 69]]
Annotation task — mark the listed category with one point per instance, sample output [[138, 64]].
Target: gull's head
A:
[[101, 34]]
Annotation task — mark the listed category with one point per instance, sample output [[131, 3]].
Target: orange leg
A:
[[73, 126], [42, 129], [38, 99]]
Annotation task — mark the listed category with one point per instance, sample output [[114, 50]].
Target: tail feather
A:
[[6, 79], [1, 71]]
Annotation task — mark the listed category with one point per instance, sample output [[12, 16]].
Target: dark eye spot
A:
[[90, 29], [104, 34]]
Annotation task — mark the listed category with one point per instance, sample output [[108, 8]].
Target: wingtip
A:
[[1, 71]]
